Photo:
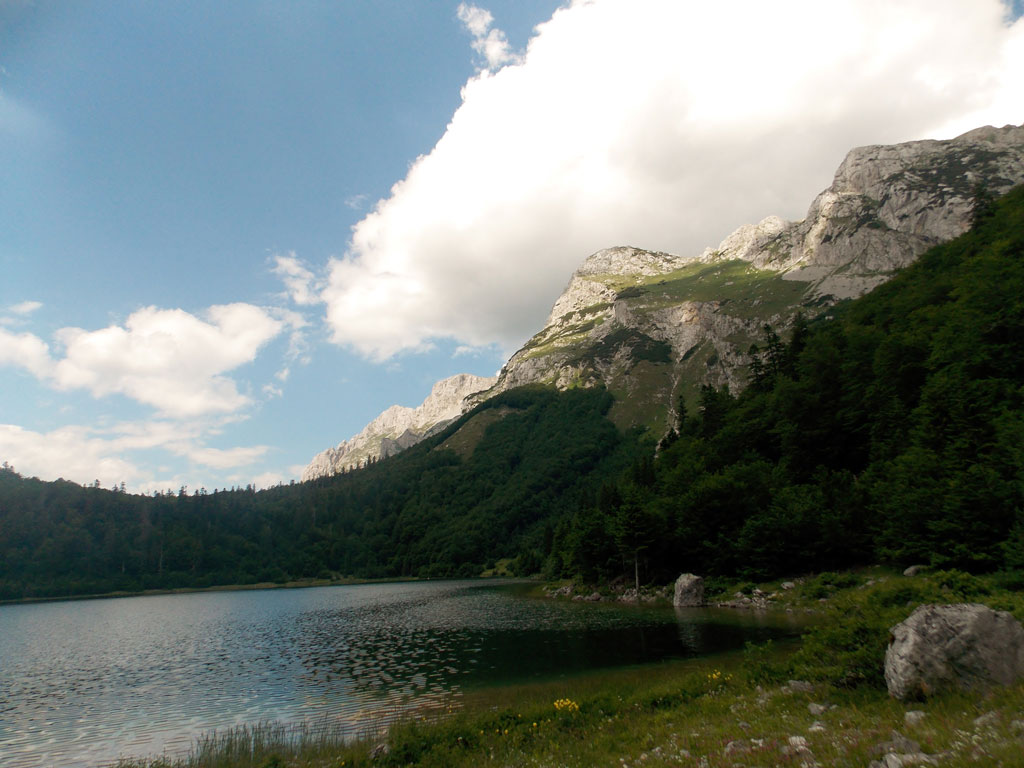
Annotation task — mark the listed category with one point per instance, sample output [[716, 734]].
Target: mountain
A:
[[399, 427], [888, 430], [653, 326]]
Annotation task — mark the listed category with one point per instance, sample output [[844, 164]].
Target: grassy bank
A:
[[821, 702]]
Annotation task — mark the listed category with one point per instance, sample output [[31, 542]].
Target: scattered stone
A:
[[564, 591], [914, 570], [817, 727], [900, 759], [988, 720], [953, 647], [800, 686], [1017, 726], [593, 597], [913, 718], [797, 742], [689, 591], [379, 751], [898, 743], [788, 585], [739, 745], [817, 709]]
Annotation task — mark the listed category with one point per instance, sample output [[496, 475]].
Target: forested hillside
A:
[[490, 486], [890, 430]]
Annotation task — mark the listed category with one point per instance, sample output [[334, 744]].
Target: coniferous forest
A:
[[890, 430]]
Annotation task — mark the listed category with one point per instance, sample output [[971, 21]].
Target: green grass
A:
[[729, 710], [469, 435]]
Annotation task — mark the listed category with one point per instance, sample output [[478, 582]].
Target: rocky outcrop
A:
[[953, 647], [689, 591], [886, 206], [648, 324], [400, 427]]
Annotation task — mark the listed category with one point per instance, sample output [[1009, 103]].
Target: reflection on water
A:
[[85, 682]]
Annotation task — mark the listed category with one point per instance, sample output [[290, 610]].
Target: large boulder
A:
[[689, 591], [953, 647]]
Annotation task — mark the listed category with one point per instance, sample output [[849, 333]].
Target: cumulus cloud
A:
[[655, 123], [491, 43], [165, 358], [71, 452], [86, 453], [25, 351], [168, 358]]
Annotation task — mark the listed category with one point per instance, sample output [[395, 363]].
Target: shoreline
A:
[[265, 585]]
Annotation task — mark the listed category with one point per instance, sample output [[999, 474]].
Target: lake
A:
[[84, 682]]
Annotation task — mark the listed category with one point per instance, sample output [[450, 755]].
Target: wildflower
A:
[[566, 705]]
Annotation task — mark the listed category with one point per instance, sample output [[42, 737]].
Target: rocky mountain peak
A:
[[400, 427], [651, 326]]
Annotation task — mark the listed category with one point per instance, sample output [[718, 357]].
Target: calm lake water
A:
[[84, 682]]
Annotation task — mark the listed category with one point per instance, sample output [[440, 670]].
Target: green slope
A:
[[891, 431]]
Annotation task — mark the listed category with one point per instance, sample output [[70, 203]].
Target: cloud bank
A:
[[654, 123]]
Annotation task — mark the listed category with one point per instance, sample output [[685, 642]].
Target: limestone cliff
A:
[[650, 326], [399, 427]]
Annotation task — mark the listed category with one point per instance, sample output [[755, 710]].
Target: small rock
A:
[[913, 717], [1017, 726], [988, 720], [593, 597], [797, 741], [788, 585], [800, 686], [914, 570], [897, 743], [900, 759], [739, 745], [817, 727], [817, 709], [379, 751]]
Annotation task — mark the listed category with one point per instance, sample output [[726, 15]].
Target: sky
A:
[[232, 233]]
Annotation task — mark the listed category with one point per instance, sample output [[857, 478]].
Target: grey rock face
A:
[[953, 647], [886, 206], [400, 427], [689, 591]]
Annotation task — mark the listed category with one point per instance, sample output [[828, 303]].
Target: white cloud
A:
[[490, 43], [118, 453], [357, 202], [166, 358], [71, 452], [656, 123], [169, 359], [25, 351], [299, 280], [25, 307]]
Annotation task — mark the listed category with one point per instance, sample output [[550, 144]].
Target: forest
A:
[[890, 430]]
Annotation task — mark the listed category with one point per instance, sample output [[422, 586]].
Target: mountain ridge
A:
[[653, 326], [399, 427]]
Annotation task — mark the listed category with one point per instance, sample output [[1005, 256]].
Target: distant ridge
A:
[[399, 427]]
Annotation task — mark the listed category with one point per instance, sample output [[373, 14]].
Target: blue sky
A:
[[232, 233]]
